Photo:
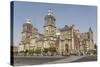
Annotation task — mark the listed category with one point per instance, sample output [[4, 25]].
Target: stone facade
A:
[[66, 40]]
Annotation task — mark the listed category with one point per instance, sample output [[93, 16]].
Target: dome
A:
[[27, 21]]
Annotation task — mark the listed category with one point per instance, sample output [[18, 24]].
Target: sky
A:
[[81, 16]]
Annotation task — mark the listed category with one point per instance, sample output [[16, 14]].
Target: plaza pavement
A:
[[37, 60], [66, 60]]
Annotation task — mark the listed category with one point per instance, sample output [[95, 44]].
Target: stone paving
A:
[[66, 60], [37, 60]]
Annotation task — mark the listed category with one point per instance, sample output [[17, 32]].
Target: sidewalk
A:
[[66, 60]]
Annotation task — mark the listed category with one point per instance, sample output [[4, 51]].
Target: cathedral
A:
[[66, 40]]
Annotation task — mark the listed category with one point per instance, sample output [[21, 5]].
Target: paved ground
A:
[[86, 59], [75, 59], [66, 60], [20, 61]]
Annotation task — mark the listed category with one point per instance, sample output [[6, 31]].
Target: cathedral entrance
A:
[[66, 49]]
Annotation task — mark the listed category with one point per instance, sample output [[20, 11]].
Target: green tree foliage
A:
[[95, 46], [38, 51], [52, 49], [45, 50], [26, 51], [21, 51], [31, 51]]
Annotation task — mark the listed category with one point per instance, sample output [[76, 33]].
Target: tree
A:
[[25, 52], [31, 51], [95, 52], [45, 50], [38, 51], [95, 46], [21, 52], [52, 50]]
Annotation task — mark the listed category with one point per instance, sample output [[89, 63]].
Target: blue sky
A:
[[81, 16]]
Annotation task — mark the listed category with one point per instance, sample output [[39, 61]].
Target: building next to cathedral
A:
[[66, 41]]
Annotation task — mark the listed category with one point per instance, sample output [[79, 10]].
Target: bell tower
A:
[[90, 37], [27, 29], [26, 33], [50, 29], [49, 26]]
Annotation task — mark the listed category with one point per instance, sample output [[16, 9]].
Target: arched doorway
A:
[[66, 49]]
